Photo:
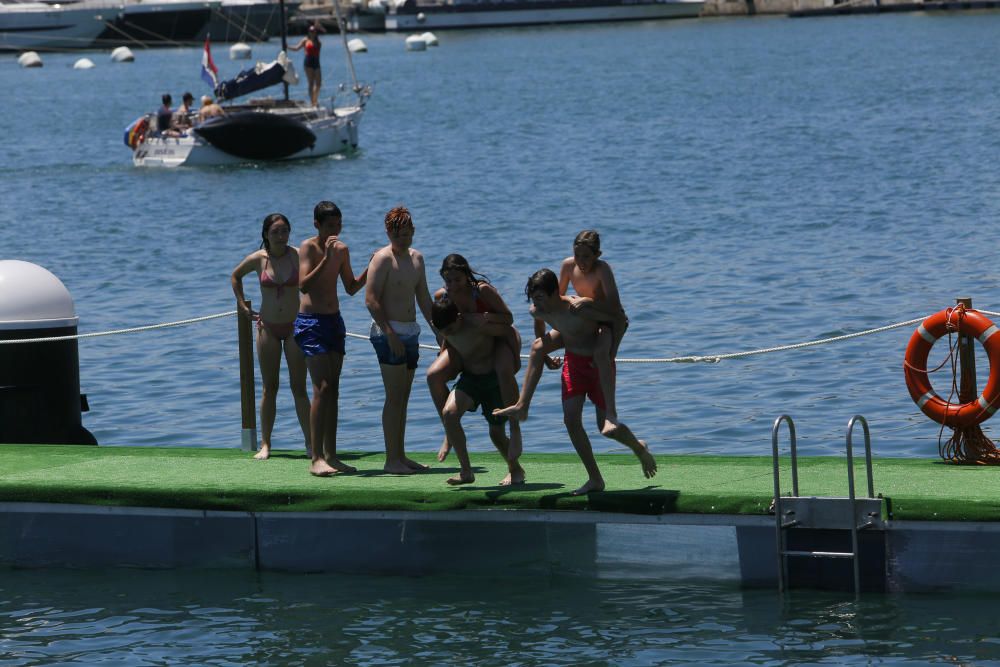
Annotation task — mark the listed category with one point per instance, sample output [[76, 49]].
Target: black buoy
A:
[[40, 400]]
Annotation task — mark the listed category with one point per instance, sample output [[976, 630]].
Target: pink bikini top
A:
[[269, 282]]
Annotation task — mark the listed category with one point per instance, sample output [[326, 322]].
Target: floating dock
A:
[[701, 517]]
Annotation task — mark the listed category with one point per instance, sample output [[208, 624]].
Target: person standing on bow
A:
[[314, 76], [277, 265]]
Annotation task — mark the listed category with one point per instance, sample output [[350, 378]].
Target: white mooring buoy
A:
[[357, 45], [35, 304], [84, 63], [122, 54], [29, 59], [239, 51], [421, 17], [415, 43], [430, 38]]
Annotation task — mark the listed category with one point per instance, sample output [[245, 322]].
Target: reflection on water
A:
[[145, 617]]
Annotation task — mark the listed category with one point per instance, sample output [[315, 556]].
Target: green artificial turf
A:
[[228, 479]]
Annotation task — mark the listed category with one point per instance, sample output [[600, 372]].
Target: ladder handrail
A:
[[868, 452], [779, 535]]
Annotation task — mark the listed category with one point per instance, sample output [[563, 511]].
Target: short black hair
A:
[[542, 279], [187, 96], [166, 99], [444, 312], [326, 209]]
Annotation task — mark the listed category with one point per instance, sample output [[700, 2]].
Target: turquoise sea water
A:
[[756, 183]]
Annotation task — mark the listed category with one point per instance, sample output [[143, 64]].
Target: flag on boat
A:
[[208, 68]]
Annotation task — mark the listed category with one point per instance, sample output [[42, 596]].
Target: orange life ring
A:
[[968, 323]]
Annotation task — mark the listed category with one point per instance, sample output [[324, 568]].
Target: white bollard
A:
[[122, 54], [430, 38], [415, 43], [84, 63], [239, 51], [357, 45], [29, 59]]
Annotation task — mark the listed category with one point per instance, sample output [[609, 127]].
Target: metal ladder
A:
[[851, 513]]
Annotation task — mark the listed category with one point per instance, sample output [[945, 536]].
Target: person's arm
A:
[[351, 284], [248, 265], [423, 294], [565, 274], [312, 261], [498, 311], [378, 274], [298, 47]]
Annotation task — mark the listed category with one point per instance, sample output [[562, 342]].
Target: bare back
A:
[[579, 334]]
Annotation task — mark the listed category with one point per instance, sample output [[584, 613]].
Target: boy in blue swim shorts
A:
[[474, 337], [320, 331], [397, 284]]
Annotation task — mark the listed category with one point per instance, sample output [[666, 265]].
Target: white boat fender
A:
[[357, 45], [122, 54], [430, 38], [84, 63], [239, 51], [421, 17], [29, 59], [415, 43]]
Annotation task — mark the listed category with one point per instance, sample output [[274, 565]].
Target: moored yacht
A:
[[245, 21], [37, 26], [159, 22]]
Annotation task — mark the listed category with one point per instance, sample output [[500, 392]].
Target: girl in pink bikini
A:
[[277, 266]]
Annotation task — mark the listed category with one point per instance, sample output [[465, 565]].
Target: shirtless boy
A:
[[398, 279], [473, 336], [320, 331], [591, 277], [577, 327]]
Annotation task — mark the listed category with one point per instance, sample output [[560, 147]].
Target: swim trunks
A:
[[580, 377], [484, 390], [320, 333], [409, 334]]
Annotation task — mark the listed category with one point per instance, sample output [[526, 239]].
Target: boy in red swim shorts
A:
[[580, 379]]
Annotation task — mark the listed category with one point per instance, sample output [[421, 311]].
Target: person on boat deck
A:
[[320, 330], [277, 265], [312, 46], [577, 328], [474, 337], [181, 120], [209, 109], [165, 114]]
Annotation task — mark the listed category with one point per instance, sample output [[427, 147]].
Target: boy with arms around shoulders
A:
[[397, 280], [320, 330], [578, 328], [474, 337]]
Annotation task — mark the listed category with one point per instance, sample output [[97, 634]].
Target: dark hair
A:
[[455, 262], [396, 218], [590, 239], [542, 279], [187, 96], [326, 209], [443, 312], [268, 221], [166, 99]]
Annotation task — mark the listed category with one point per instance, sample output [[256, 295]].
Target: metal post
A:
[[248, 440], [967, 390]]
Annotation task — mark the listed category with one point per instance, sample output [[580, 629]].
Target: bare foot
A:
[[513, 478], [512, 411], [646, 459], [461, 478], [264, 453], [610, 427], [398, 468], [321, 468], [443, 451], [413, 465], [591, 485], [340, 466]]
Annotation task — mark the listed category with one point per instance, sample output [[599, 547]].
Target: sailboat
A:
[[259, 130]]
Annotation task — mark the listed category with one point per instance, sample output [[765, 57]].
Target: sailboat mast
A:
[[343, 36], [284, 39]]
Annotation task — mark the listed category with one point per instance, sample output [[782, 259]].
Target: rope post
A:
[[967, 360], [248, 439]]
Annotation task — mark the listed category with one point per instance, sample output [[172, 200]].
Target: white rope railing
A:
[[711, 358]]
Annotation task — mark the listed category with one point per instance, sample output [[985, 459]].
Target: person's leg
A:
[[319, 370], [296, 363], [541, 348], [515, 473], [624, 435], [506, 363], [458, 404], [604, 363], [269, 360], [396, 379], [445, 368], [317, 83], [573, 418], [331, 413]]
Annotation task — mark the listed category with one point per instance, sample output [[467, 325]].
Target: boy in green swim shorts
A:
[[472, 336]]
